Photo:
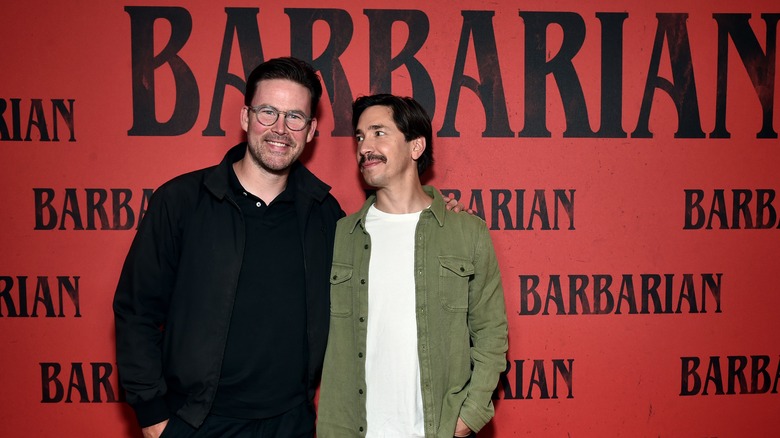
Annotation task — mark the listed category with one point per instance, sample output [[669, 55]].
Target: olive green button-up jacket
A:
[[461, 323]]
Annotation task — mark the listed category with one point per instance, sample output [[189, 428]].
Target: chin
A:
[[373, 182]]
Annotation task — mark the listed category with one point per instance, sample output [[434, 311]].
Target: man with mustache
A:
[[418, 330]]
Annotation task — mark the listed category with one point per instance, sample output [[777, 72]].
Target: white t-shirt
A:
[[393, 392]]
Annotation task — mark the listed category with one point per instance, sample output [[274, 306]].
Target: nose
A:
[[364, 146], [280, 125], [363, 152], [362, 149]]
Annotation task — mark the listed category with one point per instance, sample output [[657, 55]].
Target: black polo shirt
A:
[[265, 362]]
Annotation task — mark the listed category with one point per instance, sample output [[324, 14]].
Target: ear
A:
[[418, 147], [312, 129], [244, 118]]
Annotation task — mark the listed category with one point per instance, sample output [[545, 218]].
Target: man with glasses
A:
[[222, 305]]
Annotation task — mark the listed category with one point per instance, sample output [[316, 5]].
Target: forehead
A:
[[375, 116], [282, 94]]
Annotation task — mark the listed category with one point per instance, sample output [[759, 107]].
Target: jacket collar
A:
[[217, 179], [437, 209]]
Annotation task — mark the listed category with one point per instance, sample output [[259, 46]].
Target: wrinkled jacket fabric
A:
[[461, 323], [176, 291]]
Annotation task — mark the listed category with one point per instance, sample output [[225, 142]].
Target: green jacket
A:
[[461, 323]]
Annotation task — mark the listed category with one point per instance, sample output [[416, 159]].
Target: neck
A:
[[401, 200], [260, 182]]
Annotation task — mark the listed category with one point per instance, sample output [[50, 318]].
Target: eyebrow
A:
[[371, 128], [267, 105]]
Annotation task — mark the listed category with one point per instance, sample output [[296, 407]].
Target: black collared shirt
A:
[[265, 362]]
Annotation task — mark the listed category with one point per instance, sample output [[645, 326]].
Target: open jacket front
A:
[[461, 323]]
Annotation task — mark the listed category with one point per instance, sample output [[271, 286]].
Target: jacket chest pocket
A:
[[340, 290], [454, 276]]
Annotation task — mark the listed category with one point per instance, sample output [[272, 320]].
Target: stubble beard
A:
[[271, 161]]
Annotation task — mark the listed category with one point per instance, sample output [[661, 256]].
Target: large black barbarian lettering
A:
[[682, 90], [595, 295], [145, 62], [101, 375], [14, 297], [561, 66], [538, 217], [382, 63], [743, 210], [490, 88], [242, 23], [513, 385], [759, 65], [37, 119], [92, 204], [333, 76], [759, 378], [476, 30]]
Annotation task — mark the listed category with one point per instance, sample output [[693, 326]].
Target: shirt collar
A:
[[437, 209]]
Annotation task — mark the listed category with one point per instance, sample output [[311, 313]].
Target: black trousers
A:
[[298, 422]]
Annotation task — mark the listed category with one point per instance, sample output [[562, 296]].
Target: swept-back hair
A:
[[410, 117]]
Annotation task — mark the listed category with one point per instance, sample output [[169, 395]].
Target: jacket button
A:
[[365, 246], [335, 277], [360, 354], [360, 391], [362, 319], [362, 281], [462, 269]]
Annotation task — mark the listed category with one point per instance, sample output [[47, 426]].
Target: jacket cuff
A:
[[474, 417], [151, 412]]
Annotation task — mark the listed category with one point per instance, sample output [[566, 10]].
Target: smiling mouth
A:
[[277, 144]]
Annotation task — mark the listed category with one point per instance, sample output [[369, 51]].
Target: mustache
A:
[[372, 157]]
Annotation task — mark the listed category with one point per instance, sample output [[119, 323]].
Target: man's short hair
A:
[[410, 118], [289, 68]]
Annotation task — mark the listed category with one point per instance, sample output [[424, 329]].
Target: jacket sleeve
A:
[[488, 330], [140, 307]]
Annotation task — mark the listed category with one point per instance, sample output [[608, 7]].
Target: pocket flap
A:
[[340, 273], [458, 266]]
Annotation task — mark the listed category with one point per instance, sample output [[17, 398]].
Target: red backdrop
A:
[[624, 155]]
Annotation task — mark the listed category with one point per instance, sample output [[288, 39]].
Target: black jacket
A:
[[175, 295]]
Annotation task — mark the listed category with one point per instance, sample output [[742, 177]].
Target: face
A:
[[383, 154], [275, 148]]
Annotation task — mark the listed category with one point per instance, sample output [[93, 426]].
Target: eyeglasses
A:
[[268, 115]]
